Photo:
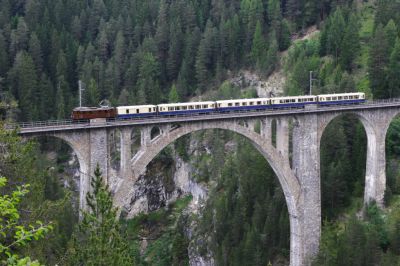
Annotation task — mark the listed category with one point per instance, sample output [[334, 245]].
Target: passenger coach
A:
[[136, 111], [341, 98], [243, 104], [186, 108]]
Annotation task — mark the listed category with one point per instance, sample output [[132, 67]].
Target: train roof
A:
[[297, 97], [341, 94], [136, 106], [185, 104], [88, 108], [243, 100]]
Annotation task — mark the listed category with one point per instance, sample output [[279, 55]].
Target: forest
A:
[[156, 51]]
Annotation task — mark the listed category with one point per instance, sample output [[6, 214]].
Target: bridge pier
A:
[[306, 168], [126, 152], [282, 137]]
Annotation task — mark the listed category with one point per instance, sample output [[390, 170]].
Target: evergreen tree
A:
[[350, 44], [147, 83], [258, 50], [393, 71], [35, 51], [173, 95], [93, 95], [98, 239], [24, 82], [378, 61], [391, 33]]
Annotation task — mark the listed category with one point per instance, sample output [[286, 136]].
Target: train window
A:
[[127, 111], [198, 106], [244, 104], [281, 101], [251, 103], [178, 108], [259, 102], [184, 107], [327, 98], [191, 107], [356, 97], [205, 106], [137, 111], [340, 98], [237, 104], [229, 104], [346, 97], [149, 109], [334, 98]]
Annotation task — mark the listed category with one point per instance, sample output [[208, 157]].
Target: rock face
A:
[[163, 183], [273, 86]]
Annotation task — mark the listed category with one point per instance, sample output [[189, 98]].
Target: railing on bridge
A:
[[80, 123]]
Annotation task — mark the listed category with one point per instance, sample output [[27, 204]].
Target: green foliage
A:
[[98, 239], [245, 224], [361, 242], [13, 234], [173, 95], [167, 242]]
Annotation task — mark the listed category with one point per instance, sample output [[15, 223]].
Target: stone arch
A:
[[375, 176], [75, 141], [287, 180]]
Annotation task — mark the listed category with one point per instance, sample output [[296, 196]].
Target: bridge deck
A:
[[66, 125]]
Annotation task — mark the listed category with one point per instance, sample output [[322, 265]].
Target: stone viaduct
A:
[[298, 176]]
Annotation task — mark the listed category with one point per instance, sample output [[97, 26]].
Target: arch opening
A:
[[115, 148], [135, 141], [247, 184], [392, 150], [273, 132], [155, 132], [343, 161]]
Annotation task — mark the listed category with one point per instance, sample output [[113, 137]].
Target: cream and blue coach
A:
[[186, 108], [243, 104], [341, 98], [293, 101], [136, 111]]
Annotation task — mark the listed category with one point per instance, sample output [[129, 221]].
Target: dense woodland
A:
[[133, 52]]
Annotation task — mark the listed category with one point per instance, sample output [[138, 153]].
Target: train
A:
[[222, 106]]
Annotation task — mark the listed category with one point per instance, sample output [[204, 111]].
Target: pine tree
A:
[[35, 51], [98, 239], [24, 82], [393, 71], [162, 37], [93, 95], [173, 95], [350, 44], [258, 50], [147, 83], [378, 61], [336, 34], [391, 34], [4, 58]]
